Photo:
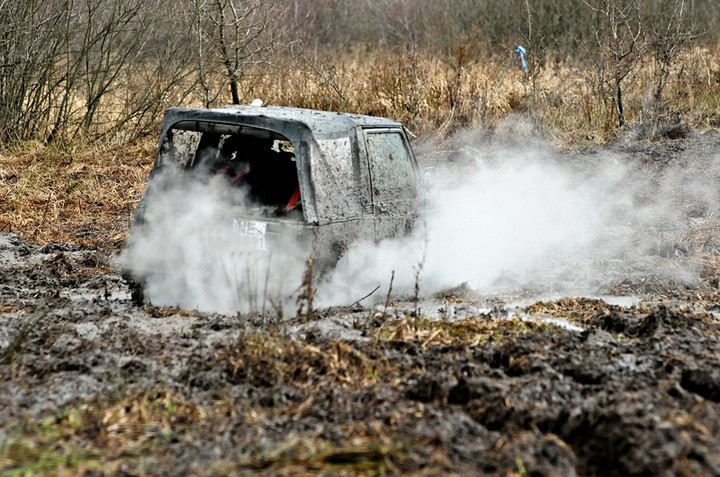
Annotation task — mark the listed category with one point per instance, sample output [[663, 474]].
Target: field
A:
[[590, 347], [621, 381]]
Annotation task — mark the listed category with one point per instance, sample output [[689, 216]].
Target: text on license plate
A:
[[254, 229]]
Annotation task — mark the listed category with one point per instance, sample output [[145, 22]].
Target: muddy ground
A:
[[622, 382]]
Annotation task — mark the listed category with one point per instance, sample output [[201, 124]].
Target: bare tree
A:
[[231, 37], [84, 68], [669, 35], [619, 36], [29, 46], [150, 69]]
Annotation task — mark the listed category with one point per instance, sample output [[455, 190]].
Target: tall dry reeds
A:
[[436, 95], [73, 71]]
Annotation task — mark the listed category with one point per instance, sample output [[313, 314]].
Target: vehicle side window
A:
[[391, 167]]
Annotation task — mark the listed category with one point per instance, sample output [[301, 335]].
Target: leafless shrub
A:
[[436, 26], [29, 46], [620, 46], [231, 37], [669, 34], [71, 68]]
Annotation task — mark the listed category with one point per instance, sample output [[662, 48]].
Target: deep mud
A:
[[625, 382]]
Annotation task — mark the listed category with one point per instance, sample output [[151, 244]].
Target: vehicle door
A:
[[393, 181]]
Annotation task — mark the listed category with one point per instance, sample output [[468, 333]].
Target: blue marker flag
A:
[[521, 53]]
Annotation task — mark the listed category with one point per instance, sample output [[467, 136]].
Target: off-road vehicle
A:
[[326, 179]]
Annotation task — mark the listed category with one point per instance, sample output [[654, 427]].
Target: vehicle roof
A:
[[319, 122]]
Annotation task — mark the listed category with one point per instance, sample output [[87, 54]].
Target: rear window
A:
[[259, 162]]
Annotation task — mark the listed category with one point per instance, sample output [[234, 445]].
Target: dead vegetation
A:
[[103, 71], [84, 195], [87, 192]]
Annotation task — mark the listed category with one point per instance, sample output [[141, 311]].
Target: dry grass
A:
[[471, 332], [263, 361], [578, 310], [87, 193], [100, 434], [435, 96]]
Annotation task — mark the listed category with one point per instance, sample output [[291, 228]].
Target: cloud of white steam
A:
[[189, 253], [492, 220]]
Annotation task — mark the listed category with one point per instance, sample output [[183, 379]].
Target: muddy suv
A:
[[326, 179]]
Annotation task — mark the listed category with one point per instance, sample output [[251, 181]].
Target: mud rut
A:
[[92, 384]]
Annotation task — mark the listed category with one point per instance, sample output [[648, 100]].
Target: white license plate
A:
[[252, 229]]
